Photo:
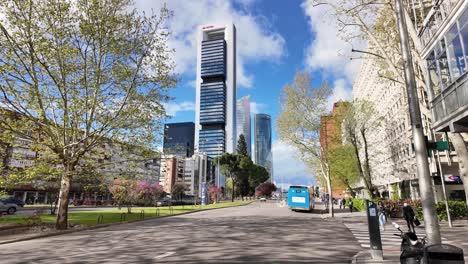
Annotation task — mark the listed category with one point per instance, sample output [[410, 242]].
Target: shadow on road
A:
[[260, 237]]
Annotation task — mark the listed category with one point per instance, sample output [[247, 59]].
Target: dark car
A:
[[13, 201]]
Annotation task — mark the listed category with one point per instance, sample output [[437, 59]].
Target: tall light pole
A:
[[427, 196]]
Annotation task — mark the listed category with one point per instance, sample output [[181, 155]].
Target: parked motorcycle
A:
[[412, 248]]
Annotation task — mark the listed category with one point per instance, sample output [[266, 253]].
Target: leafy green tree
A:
[[178, 190], [246, 166], [299, 123], [233, 166], [343, 166], [75, 74], [258, 174], [242, 146]]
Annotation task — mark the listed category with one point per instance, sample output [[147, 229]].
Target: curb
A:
[[110, 225]]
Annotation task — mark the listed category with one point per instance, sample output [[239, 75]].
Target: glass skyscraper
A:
[[179, 139], [243, 121], [262, 138], [215, 123]]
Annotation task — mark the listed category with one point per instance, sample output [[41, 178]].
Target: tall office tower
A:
[[179, 139], [262, 138], [243, 121], [215, 123]]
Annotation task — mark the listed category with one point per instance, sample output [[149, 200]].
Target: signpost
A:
[[374, 231]]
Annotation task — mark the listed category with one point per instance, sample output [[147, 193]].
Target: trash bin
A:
[[443, 254]]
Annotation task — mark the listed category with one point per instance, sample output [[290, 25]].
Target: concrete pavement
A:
[[256, 233]]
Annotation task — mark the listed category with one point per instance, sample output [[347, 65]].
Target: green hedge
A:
[[458, 209]]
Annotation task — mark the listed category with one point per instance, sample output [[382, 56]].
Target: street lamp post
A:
[[427, 196]]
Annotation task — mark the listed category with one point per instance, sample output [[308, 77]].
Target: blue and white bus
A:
[[301, 198]]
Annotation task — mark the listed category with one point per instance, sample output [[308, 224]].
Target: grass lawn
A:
[[90, 218]]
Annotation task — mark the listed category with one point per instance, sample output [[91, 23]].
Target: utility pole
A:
[[427, 196]]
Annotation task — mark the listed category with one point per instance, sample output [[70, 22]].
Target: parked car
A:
[[13, 200], [162, 203], [263, 199], [9, 208]]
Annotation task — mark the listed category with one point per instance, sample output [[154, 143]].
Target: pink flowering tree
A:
[[214, 192], [265, 189], [149, 191]]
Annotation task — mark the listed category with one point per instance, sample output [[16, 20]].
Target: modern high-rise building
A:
[[243, 121], [179, 139], [215, 122], [262, 138]]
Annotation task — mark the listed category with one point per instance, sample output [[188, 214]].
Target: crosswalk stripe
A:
[[360, 231]]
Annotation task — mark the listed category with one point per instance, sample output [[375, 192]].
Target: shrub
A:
[[458, 210], [358, 203]]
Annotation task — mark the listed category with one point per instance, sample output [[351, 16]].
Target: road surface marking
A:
[[167, 254]]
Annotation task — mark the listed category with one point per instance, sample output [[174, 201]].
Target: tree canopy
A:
[[75, 74]]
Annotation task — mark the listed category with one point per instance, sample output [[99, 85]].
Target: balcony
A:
[[213, 58], [435, 20], [451, 107]]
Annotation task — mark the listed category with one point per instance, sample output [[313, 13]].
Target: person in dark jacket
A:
[[350, 205], [408, 214]]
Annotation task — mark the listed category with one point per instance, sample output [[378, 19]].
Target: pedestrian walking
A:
[[343, 203], [340, 201], [408, 214], [382, 216], [351, 205]]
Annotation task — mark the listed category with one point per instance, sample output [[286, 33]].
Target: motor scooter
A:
[[412, 248]]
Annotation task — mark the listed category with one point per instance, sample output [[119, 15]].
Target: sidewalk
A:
[[457, 236]]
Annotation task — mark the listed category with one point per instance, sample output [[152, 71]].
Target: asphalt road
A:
[[256, 233]]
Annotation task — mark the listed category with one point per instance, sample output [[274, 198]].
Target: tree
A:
[[265, 189], [149, 192], [234, 167], [359, 119], [343, 166], [246, 166], [242, 146], [75, 74], [125, 192], [258, 174], [299, 122], [214, 192], [178, 190]]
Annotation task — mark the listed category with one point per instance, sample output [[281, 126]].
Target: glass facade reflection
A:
[[447, 64], [262, 128], [212, 136], [179, 139]]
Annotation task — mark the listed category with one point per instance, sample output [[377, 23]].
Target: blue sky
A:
[[276, 39]]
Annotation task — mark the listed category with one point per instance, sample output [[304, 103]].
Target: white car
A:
[[263, 199], [9, 208]]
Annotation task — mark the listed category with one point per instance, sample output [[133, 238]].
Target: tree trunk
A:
[[62, 214], [359, 165], [462, 153], [330, 197], [233, 191]]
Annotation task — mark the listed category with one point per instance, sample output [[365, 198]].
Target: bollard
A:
[[123, 217], [100, 219]]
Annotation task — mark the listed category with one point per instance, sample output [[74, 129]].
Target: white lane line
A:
[[167, 254]]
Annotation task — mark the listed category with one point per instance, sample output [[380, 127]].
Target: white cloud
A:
[[340, 92], [328, 52], [173, 108], [256, 108], [287, 165], [255, 40]]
